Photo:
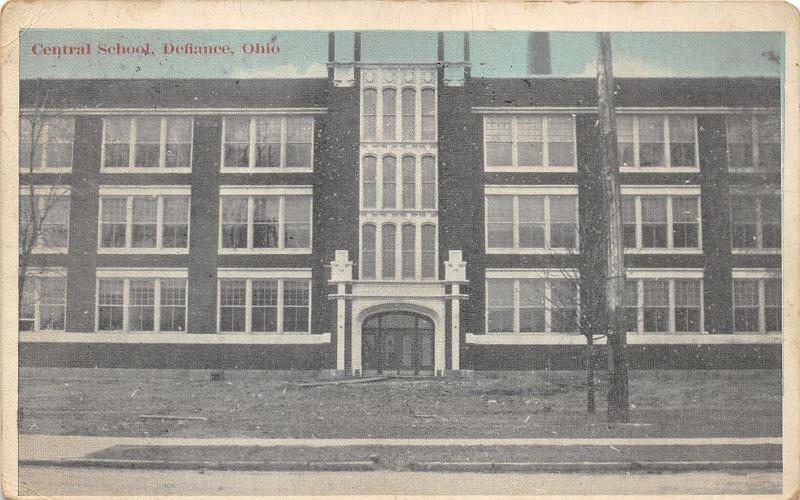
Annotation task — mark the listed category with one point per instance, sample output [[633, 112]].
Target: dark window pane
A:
[[651, 154], [682, 155], [498, 154], [561, 154], [529, 154], [147, 155]]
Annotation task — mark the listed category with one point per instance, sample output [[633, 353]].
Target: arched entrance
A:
[[397, 342]]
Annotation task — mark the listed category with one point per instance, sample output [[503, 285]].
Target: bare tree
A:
[[39, 205]]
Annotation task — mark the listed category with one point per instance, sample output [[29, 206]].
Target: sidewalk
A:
[[474, 455]]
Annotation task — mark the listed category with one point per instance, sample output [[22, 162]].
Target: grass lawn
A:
[[515, 404]]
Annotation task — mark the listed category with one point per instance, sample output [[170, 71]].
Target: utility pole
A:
[[618, 406]]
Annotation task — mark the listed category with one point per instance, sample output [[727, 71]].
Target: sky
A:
[[304, 53]]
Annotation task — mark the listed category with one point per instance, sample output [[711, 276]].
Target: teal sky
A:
[[494, 54]]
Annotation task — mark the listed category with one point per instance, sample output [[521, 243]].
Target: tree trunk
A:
[[618, 406]]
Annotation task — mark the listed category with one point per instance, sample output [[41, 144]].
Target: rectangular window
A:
[[141, 303], [657, 141], [532, 305], [428, 119], [146, 223], [661, 221], [264, 305], [43, 220], [655, 303], [43, 304], [268, 143], [409, 105], [531, 222], [147, 143], [754, 143], [265, 222], [755, 222], [529, 142], [46, 143], [757, 303]]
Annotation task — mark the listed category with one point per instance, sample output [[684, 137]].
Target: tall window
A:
[[428, 182], [46, 143], [264, 305], [267, 143], [409, 244], [146, 223], [663, 222], [532, 305], [757, 304], [369, 195], [368, 251], [147, 143], [429, 251], [389, 114], [369, 113], [141, 303], [388, 241], [659, 304], [44, 220], [755, 222], [531, 222], [428, 119], [43, 304], [657, 141], [409, 182], [265, 222], [389, 182], [754, 143], [529, 142], [409, 109]]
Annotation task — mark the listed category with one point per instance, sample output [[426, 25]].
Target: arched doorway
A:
[[397, 342]]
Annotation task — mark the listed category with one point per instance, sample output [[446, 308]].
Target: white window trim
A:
[[43, 141], [379, 89], [129, 192], [632, 338], [667, 191], [760, 275], [754, 169], [128, 274], [546, 192], [45, 272], [162, 168], [48, 336], [251, 150], [252, 191], [759, 193], [667, 167], [277, 274], [548, 275], [418, 157], [40, 191], [398, 250], [670, 275], [515, 167]]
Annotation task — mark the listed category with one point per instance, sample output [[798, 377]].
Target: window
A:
[[657, 141], [389, 114], [46, 143], [532, 305], [147, 143], [263, 303], [265, 222], [755, 222], [659, 222], [757, 302], [44, 219], [44, 298], [142, 301], [428, 114], [529, 142], [411, 248], [409, 109], [754, 143], [531, 223], [664, 301], [369, 113], [268, 143], [412, 186], [147, 222]]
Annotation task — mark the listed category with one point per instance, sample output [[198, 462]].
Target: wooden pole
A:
[[618, 405]]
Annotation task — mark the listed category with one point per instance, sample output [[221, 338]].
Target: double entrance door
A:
[[397, 343]]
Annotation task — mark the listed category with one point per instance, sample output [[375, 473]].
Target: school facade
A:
[[395, 218]]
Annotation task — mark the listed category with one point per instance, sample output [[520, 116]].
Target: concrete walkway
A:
[[51, 447]]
